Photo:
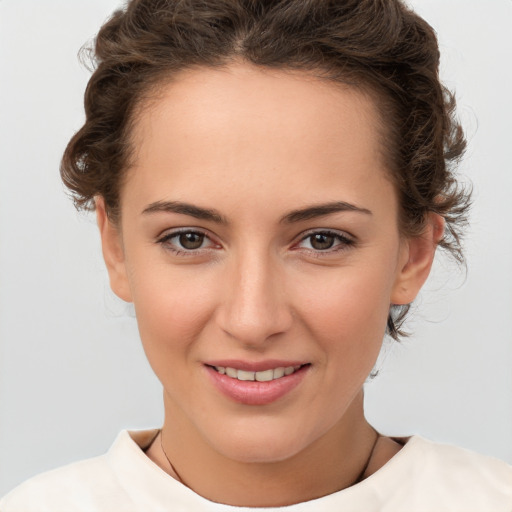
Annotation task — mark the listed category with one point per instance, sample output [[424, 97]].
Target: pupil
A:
[[191, 240], [322, 241]]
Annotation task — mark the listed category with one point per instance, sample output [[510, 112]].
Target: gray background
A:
[[72, 372]]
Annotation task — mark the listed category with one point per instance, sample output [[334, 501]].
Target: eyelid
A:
[[326, 231], [165, 236], [346, 240], [170, 232]]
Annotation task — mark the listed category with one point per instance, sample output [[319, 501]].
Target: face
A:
[[259, 240]]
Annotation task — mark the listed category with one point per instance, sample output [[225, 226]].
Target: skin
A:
[[255, 145]]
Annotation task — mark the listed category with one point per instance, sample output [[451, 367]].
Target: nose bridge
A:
[[254, 306]]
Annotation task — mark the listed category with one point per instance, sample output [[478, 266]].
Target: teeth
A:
[[278, 373], [231, 372], [263, 376], [243, 375]]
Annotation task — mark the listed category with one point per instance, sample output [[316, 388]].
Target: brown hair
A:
[[376, 45]]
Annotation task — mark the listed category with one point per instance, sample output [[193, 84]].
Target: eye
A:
[[325, 241], [185, 241]]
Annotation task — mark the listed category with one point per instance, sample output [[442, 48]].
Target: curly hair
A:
[[380, 46]]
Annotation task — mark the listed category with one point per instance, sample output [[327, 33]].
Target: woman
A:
[[271, 182]]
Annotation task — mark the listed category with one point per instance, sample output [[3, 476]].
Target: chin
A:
[[251, 451], [260, 444]]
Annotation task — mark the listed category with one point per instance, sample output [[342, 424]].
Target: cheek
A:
[[172, 306], [347, 309], [345, 313]]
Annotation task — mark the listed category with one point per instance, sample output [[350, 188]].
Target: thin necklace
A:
[[168, 460], [357, 480], [361, 475]]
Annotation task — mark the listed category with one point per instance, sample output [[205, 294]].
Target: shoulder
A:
[[73, 487], [451, 460], [450, 478], [89, 485]]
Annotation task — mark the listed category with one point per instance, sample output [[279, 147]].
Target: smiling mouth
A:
[[261, 376]]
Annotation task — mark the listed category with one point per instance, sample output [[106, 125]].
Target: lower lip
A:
[[254, 392]]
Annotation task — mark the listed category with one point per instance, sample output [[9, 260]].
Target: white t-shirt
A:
[[422, 477]]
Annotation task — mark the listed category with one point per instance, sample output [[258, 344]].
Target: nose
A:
[[254, 306]]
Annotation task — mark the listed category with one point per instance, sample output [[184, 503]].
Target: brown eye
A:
[[326, 242], [186, 243], [191, 241], [322, 241]]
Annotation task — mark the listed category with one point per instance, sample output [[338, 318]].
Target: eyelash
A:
[[344, 242], [165, 241]]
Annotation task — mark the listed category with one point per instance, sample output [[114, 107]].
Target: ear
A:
[[113, 252], [417, 255]]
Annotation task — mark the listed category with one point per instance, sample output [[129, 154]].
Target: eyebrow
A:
[[186, 209], [320, 210], [212, 215]]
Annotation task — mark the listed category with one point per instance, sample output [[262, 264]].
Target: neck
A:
[[333, 462]]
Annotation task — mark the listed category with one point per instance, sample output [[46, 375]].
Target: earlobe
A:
[[416, 261], [113, 252]]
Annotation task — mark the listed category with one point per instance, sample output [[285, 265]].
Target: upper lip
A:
[[254, 366]]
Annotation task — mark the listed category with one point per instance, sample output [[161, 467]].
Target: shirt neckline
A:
[[140, 476]]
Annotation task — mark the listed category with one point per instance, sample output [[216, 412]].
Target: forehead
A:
[[261, 101], [243, 127]]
